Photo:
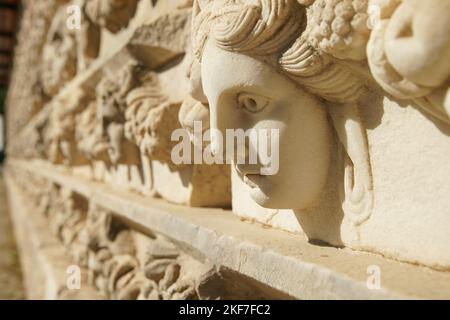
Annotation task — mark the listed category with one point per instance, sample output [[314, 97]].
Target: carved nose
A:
[[228, 136], [217, 135]]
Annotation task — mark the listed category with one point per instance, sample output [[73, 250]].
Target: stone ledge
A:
[[283, 261], [44, 260]]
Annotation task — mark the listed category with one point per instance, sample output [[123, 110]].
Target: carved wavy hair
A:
[[273, 31]]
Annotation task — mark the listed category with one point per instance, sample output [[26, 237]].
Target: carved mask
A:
[[250, 94]]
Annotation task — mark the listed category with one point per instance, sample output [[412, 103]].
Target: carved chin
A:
[[259, 191], [269, 194], [260, 198]]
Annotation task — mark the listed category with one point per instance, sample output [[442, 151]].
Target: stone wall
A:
[[351, 97]]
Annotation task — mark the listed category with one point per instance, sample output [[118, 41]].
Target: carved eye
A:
[[251, 102]]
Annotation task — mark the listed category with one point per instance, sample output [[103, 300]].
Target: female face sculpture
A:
[[252, 95], [259, 70]]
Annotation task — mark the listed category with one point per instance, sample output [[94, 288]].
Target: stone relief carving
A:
[[150, 116], [162, 40], [68, 51], [111, 105], [88, 135], [65, 211], [282, 41], [88, 39], [408, 52], [67, 218], [114, 15], [25, 95], [111, 252], [121, 263], [309, 69], [59, 134], [119, 271], [134, 118], [59, 57], [32, 144]]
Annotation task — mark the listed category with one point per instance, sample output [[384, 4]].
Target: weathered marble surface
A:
[[358, 91]]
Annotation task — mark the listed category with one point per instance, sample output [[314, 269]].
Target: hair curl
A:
[[275, 31]]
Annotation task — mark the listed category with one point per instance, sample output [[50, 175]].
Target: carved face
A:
[[59, 58], [250, 94], [110, 104]]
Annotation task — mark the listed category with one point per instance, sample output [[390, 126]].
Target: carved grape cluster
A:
[[339, 27]]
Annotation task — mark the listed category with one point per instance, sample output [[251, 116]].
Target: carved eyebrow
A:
[[248, 88]]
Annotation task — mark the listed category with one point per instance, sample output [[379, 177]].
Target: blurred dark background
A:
[[9, 16]]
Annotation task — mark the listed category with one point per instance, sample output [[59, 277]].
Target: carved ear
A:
[[357, 192]]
